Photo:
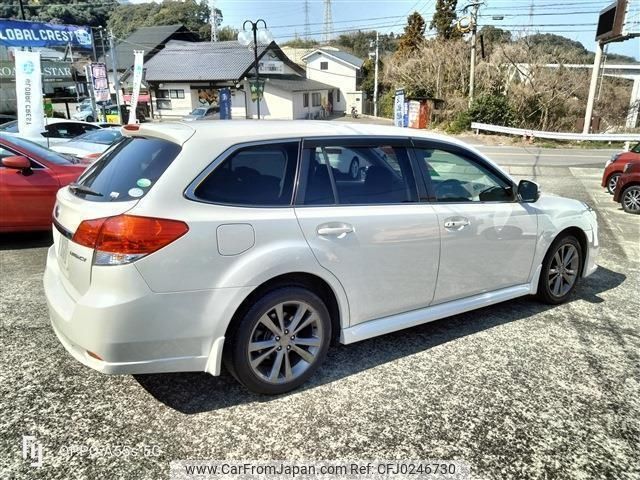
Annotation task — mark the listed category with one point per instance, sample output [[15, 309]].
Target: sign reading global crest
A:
[[29, 93], [17, 33]]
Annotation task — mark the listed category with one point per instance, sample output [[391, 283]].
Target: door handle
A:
[[456, 223], [339, 230]]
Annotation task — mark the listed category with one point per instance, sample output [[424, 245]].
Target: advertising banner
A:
[[225, 104], [257, 89], [138, 59], [100, 83], [19, 33], [398, 109], [29, 93]]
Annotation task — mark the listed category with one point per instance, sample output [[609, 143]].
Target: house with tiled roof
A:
[[184, 76]]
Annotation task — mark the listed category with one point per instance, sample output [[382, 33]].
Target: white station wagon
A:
[[189, 245]]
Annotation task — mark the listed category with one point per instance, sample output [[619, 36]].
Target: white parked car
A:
[[192, 244], [56, 131], [89, 146]]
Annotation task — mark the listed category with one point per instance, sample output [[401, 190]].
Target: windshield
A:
[[103, 137], [42, 152], [11, 127], [198, 111], [128, 170], [636, 148]]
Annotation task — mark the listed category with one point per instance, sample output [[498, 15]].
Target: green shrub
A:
[[461, 123], [385, 104], [492, 109]]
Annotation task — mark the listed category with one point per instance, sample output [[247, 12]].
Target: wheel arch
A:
[[582, 238], [310, 281]]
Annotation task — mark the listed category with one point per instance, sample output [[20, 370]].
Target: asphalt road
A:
[[518, 390]]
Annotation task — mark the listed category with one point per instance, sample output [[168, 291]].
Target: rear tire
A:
[[630, 199], [280, 341], [561, 270], [612, 182]]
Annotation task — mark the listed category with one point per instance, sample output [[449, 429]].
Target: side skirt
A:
[[401, 321]]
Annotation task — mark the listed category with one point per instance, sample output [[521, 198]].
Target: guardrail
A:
[[523, 132]]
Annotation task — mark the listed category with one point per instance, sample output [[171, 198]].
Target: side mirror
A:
[[528, 191], [17, 162]]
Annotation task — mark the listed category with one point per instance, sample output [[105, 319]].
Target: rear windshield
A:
[[127, 171]]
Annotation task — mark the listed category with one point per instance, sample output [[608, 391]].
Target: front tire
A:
[[612, 182], [561, 270], [630, 199], [280, 341]]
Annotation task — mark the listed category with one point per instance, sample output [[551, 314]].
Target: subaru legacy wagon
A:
[[187, 246]]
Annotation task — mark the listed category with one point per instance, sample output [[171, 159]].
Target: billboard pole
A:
[[114, 66], [592, 88]]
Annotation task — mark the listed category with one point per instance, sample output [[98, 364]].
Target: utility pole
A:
[[474, 29], [21, 10], [116, 80], [375, 78]]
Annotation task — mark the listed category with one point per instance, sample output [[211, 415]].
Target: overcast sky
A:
[[574, 19]]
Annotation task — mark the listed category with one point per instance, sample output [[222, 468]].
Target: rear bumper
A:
[[133, 329]]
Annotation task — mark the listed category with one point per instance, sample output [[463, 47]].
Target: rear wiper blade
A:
[[76, 187]]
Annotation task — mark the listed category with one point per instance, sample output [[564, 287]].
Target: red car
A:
[[30, 176], [628, 189], [613, 168]]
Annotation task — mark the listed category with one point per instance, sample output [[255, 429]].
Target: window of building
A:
[[163, 104], [458, 179], [324, 65], [376, 174], [163, 94], [305, 100], [260, 175], [176, 94], [315, 99]]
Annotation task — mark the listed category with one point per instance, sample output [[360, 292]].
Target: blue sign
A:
[[225, 104], [18, 33]]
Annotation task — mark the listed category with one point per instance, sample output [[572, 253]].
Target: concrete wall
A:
[[339, 74], [179, 106]]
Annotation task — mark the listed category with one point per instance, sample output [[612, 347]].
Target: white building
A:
[[185, 75], [340, 70]]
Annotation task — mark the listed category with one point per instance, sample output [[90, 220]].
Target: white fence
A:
[[599, 137]]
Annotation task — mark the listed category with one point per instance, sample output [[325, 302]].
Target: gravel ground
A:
[[518, 390]]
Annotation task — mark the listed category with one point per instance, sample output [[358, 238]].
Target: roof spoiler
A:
[[176, 132]]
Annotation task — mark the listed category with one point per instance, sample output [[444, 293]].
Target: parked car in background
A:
[[56, 130], [203, 113], [30, 176], [6, 118], [614, 166], [190, 244], [628, 190], [89, 146]]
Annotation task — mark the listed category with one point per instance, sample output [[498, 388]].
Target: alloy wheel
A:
[[285, 342], [563, 270], [613, 182], [631, 200]]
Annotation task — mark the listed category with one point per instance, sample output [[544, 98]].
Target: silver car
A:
[[189, 245]]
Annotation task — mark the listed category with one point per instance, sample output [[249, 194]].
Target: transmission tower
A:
[[328, 22], [307, 32], [214, 20]]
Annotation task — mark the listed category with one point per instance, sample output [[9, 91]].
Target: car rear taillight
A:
[[126, 238]]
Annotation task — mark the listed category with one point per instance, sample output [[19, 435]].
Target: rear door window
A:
[[128, 171], [260, 175]]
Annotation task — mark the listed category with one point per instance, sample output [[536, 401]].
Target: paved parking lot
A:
[[518, 390]]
